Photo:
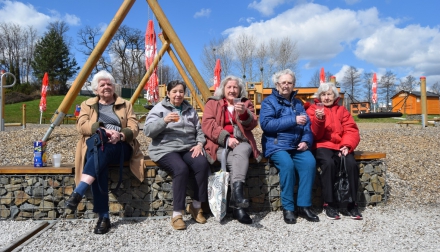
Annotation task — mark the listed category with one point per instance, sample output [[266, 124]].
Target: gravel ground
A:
[[383, 229], [409, 221]]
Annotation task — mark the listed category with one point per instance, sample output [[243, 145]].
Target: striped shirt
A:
[[108, 117]]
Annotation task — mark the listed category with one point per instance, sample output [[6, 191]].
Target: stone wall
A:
[[42, 196]]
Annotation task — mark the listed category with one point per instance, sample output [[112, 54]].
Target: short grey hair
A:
[[278, 74], [326, 86], [220, 91], [101, 75]]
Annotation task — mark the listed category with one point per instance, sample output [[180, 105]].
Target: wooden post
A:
[[183, 74], [24, 116], [180, 49], [147, 75], [423, 101]]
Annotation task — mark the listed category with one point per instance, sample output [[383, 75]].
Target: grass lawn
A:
[[13, 112]]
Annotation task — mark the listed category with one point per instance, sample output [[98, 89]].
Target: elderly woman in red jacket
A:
[[228, 120], [335, 133]]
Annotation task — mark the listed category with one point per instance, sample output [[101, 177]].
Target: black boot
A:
[[241, 215], [237, 198], [308, 214], [73, 201], [102, 226], [289, 216]]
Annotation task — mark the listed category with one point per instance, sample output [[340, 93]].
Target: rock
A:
[[20, 197]]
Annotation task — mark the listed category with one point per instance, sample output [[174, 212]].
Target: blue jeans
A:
[[110, 155], [290, 163]]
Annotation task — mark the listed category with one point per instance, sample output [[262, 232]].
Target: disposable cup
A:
[[319, 106], [237, 100], [56, 160]]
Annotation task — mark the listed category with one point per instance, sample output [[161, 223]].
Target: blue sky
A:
[[373, 35]]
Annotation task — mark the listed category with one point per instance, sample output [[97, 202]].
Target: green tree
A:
[[52, 56]]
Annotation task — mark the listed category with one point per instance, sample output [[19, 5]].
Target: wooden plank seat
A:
[[407, 122], [29, 169]]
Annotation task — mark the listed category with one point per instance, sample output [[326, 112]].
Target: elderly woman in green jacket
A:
[[177, 147]]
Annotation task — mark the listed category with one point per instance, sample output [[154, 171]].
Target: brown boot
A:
[[178, 223]]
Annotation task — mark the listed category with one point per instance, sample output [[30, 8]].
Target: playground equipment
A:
[[169, 38], [2, 97]]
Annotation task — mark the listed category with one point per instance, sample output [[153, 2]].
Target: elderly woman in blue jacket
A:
[[177, 147], [286, 141]]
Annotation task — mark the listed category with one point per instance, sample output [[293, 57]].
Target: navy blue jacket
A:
[[278, 122]]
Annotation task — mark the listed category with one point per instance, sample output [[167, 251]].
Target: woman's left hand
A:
[[302, 146], [114, 136], [239, 107], [344, 151], [196, 151]]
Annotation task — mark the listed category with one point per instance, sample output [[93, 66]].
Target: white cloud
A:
[[26, 15], [23, 15], [266, 7], [202, 13], [322, 34]]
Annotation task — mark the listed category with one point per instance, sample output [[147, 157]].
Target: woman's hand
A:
[[239, 107], [196, 150], [302, 146], [344, 151], [301, 119], [113, 136], [233, 142], [171, 117], [319, 113]]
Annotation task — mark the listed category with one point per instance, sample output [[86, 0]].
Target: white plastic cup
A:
[[319, 106], [237, 100], [56, 160]]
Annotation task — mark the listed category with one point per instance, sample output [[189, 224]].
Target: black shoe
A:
[[308, 214], [73, 201], [289, 217], [331, 212], [237, 198], [354, 212], [241, 215], [102, 226]]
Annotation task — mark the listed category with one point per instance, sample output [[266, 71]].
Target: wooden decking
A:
[[69, 168]]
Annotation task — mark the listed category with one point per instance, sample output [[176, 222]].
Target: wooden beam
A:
[[28, 169]]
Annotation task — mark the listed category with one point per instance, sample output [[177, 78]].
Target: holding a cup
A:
[[319, 111]]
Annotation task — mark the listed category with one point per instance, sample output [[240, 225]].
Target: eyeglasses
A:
[[285, 83]]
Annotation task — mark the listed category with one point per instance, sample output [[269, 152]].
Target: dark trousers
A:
[[110, 155], [179, 164], [329, 162]]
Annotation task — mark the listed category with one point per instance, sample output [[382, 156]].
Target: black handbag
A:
[[342, 184], [98, 141]]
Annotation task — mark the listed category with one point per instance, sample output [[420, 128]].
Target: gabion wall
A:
[[41, 197]]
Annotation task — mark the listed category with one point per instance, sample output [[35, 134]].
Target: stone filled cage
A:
[[41, 197]]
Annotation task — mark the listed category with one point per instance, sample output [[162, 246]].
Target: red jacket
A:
[[213, 122], [335, 130]]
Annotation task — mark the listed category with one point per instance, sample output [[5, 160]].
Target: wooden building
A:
[[410, 103]]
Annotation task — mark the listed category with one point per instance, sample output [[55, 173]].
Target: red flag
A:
[[217, 72], [374, 88], [152, 86], [322, 76], [44, 92]]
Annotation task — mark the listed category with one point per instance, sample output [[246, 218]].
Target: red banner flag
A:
[[374, 88], [152, 86], [217, 72], [44, 92], [322, 76]]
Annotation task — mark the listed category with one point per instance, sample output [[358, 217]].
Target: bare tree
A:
[[88, 38], [315, 79], [435, 88], [261, 58], [387, 86], [27, 51], [368, 84], [288, 55], [128, 48], [351, 79], [408, 84], [244, 48], [217, 49]]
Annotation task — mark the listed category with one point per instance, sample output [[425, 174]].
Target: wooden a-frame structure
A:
[[168, 38]]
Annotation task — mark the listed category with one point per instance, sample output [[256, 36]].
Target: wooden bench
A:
[[68, 118], [29, 169], [407, 122]]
